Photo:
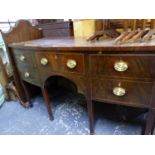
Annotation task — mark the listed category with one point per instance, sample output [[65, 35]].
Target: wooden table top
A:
[[80, 44]]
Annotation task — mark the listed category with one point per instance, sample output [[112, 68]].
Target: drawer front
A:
[[49, 62], [25, 58], [72, 63], [131, 66], [30, 75], [122, 91]]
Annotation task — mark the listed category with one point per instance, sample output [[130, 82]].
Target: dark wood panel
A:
[[57, 29], [137, 93], [56, 25], [139, 66], [57, 33]]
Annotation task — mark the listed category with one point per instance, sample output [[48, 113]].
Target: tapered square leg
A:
[[47, 102], [27, 94], [90, 107], [150, 122]]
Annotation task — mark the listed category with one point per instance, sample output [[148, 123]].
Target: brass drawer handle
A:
[[44, 61], [27, 74], [22, 58], [119, 91], [121, 66], [71, 63]]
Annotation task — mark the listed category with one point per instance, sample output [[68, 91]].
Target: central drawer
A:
[[125, 66], [49, 62], [122, 91], [72, 63]]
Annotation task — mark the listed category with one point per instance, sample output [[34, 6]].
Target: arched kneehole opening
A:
[[61, 89], [59, 84]]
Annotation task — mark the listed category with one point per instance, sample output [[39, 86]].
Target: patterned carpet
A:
[[70, 118]]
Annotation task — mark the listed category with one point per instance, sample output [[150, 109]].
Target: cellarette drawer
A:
[[122, 91]]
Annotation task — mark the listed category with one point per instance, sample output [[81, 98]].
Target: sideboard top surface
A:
[[80, 44]]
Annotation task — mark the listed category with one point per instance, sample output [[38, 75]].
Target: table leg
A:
[[47, 101], [90, 107], [27, 94], [150, 122]]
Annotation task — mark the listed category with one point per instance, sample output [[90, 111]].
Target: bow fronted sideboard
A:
[[101, 70]]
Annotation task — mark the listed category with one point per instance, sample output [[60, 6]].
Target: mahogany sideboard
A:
[[101, 70]]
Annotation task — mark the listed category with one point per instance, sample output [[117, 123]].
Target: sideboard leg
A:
[[48, 104], [27, 94], [90, 107], [150, 122]]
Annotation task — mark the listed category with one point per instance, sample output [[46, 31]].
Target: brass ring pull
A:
[[121, 66], [119, 91], [71, 63], [22, 58], [44, 61], [27, 74]]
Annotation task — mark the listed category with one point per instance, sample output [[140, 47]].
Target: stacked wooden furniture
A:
[[101, 70], [129, 24], [57, 29]]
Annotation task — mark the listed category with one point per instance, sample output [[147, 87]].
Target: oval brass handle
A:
[[119, 91], [44, 61], [22, 58], [121, 66], [27, 74], [71, 63]]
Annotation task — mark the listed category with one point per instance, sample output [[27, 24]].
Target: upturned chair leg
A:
[[47, 102], [13, 88]]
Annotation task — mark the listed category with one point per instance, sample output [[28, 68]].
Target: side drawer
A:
[[24, 58], [126, 66], [122, 91], [30, 75]]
